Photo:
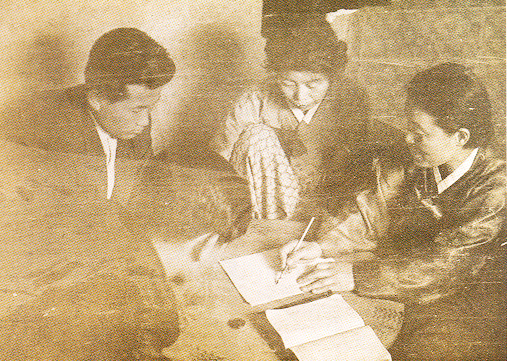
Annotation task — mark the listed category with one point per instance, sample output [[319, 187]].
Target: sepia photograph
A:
[[255, 180]]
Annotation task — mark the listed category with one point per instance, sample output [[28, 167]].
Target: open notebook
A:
[[327, 329], [254, 276]]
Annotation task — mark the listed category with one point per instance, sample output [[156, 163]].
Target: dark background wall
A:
[[218, 50], [388, 45]]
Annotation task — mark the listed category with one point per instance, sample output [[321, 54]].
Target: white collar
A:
[[443, 184], [302, 116], [107, 141], [109, 145]]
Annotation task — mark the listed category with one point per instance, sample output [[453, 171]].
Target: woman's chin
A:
[[420, 161]]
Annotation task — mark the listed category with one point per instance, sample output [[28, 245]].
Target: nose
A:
[[144, 118], [301, 94]]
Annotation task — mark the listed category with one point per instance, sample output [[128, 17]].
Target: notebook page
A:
[[359, 344], [254, 277], [314, 320]]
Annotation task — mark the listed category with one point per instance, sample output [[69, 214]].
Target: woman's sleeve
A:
[[360, 224], [425, 271], [246, 111]]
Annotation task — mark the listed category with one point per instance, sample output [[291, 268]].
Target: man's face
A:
[[303, 89], [430, 145], [128, 117]]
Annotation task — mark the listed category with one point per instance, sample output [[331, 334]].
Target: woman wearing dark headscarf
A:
[[296, 128]]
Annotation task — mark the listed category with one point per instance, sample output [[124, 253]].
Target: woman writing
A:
[[434, 232]]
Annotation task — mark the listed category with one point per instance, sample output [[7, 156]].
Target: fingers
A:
[[307, 251], [315, 275], [328, 276], [328, 284], [285, 250], [321, 287]]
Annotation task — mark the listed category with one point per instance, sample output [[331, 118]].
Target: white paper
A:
[[254, 277], [359, 344], [314, 320]]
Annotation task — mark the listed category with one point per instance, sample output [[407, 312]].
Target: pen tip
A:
[[277, 279]]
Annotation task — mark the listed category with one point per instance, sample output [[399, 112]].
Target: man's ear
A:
[[463, 136], [95, 100]]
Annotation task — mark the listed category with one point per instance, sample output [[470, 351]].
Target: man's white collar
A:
[[109, 145]]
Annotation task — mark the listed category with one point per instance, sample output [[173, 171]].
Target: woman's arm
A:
[[246, 111], [423, 270], [427, 271]]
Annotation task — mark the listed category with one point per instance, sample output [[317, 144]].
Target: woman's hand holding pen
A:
[[306, 252], [325, 276]]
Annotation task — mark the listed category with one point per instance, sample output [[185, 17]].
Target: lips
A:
[[303, 107]]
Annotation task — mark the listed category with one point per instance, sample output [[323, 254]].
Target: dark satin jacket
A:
[[439, 244]]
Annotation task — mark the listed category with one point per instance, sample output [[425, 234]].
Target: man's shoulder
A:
[[61, 104], [47, 119], [50, 101]]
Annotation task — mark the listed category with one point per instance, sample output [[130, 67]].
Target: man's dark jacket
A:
[[92, 286]]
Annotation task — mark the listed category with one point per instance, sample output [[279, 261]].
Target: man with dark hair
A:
[[73, 252], [110, 113]]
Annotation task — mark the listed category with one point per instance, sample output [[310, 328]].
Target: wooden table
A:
[[217, 324], [59, 233]]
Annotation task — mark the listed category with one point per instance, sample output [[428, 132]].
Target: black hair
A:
[[125, 56], [455, 98]]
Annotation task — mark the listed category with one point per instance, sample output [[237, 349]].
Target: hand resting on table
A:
[[330, 275]]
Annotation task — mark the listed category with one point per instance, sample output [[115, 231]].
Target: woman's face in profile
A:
[[430, 145], [303, 89]]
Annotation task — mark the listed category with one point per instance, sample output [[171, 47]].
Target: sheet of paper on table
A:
[[358, 344], [327, 329], [313, 320], [254, 277]]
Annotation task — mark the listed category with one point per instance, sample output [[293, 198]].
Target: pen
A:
[[296, 247]]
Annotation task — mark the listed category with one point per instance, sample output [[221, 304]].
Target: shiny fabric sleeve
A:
[[424, 271]]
